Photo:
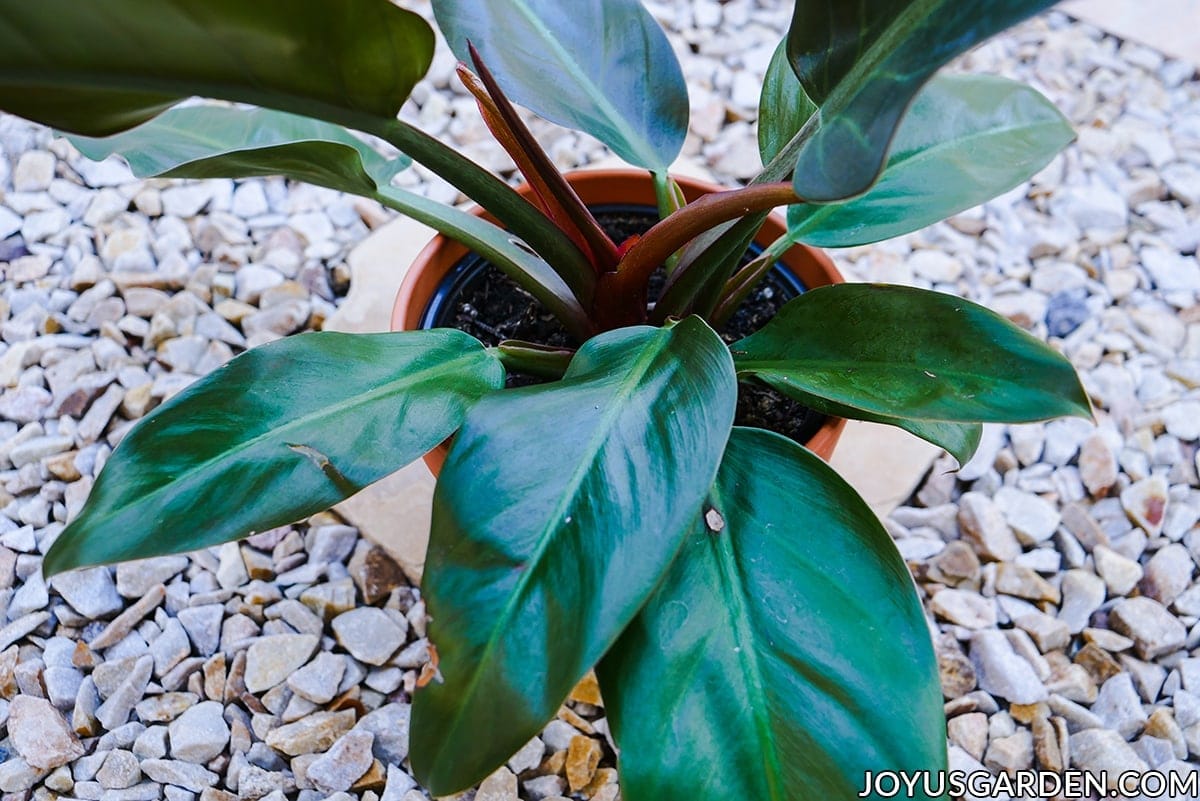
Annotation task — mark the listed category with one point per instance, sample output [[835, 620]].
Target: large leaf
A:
[[352, 62], [101, 66], [862, 63], [967, 139], [783, 107], [903, 352], [784, 655], [960, 440], [214, 141], [605, 68], [558, 510], [281, 432], [222, 142]]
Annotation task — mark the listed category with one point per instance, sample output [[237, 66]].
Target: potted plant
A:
[[755, 632]]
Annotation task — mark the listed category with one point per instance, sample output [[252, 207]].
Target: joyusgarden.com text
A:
[[1029, 784]]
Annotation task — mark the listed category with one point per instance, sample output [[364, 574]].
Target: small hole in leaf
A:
[[714, 521], [523, 246]]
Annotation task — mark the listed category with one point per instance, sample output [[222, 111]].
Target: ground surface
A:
[[1058, 568]]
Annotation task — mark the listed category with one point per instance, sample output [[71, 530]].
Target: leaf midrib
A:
[[825, 210], [371, 395], [611, 114], [876, 53], [201, 139], [805, 368], [733, 591]]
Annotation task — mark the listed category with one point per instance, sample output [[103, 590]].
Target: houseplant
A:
[[746, 611]]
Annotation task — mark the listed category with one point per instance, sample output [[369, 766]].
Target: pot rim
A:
[[600, 187]]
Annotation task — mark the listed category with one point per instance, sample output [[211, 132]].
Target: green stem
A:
[[670, 200], [512, 210], [525, 268], [539, 360]]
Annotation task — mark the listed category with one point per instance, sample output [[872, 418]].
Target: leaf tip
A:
[[58, 560]]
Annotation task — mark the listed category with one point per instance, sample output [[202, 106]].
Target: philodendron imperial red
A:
[[754, 630]]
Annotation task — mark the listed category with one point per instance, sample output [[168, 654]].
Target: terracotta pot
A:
[[605, 187]]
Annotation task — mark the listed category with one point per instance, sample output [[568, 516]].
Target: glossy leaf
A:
[[106, 65], [862, 63], [912, 353], [541, 552], [960, 440], [783, 107], [967, 139], [350, 62], [222, 142], [784, 655], [214, 141], [279, 433], [605, 68]]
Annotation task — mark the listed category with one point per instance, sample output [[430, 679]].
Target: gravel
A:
[[1059, 566]]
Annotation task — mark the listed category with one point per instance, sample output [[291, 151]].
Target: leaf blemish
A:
[[325, 466], [714, 521]]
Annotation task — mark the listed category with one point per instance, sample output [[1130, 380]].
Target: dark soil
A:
[[489, 306]]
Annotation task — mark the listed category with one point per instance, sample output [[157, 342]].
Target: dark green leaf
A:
[[214, 141], [960, 440], [862, 63], [912, 353], [783, 108], [223, 142], [784, 655], [281, 432], [351, 62], [604, 68], [967, 139], [542, 550], [102, 66]]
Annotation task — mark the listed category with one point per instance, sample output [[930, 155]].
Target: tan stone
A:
[[8, 674], [603, 784], [1097, 662], [374, 779], [1027, 713], [553, 764], [1023, 582], [583, 757], [331, 599], [587, 691], [1048, 746], [376, 573], [955, 670], [312, 734], [970, 733]]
